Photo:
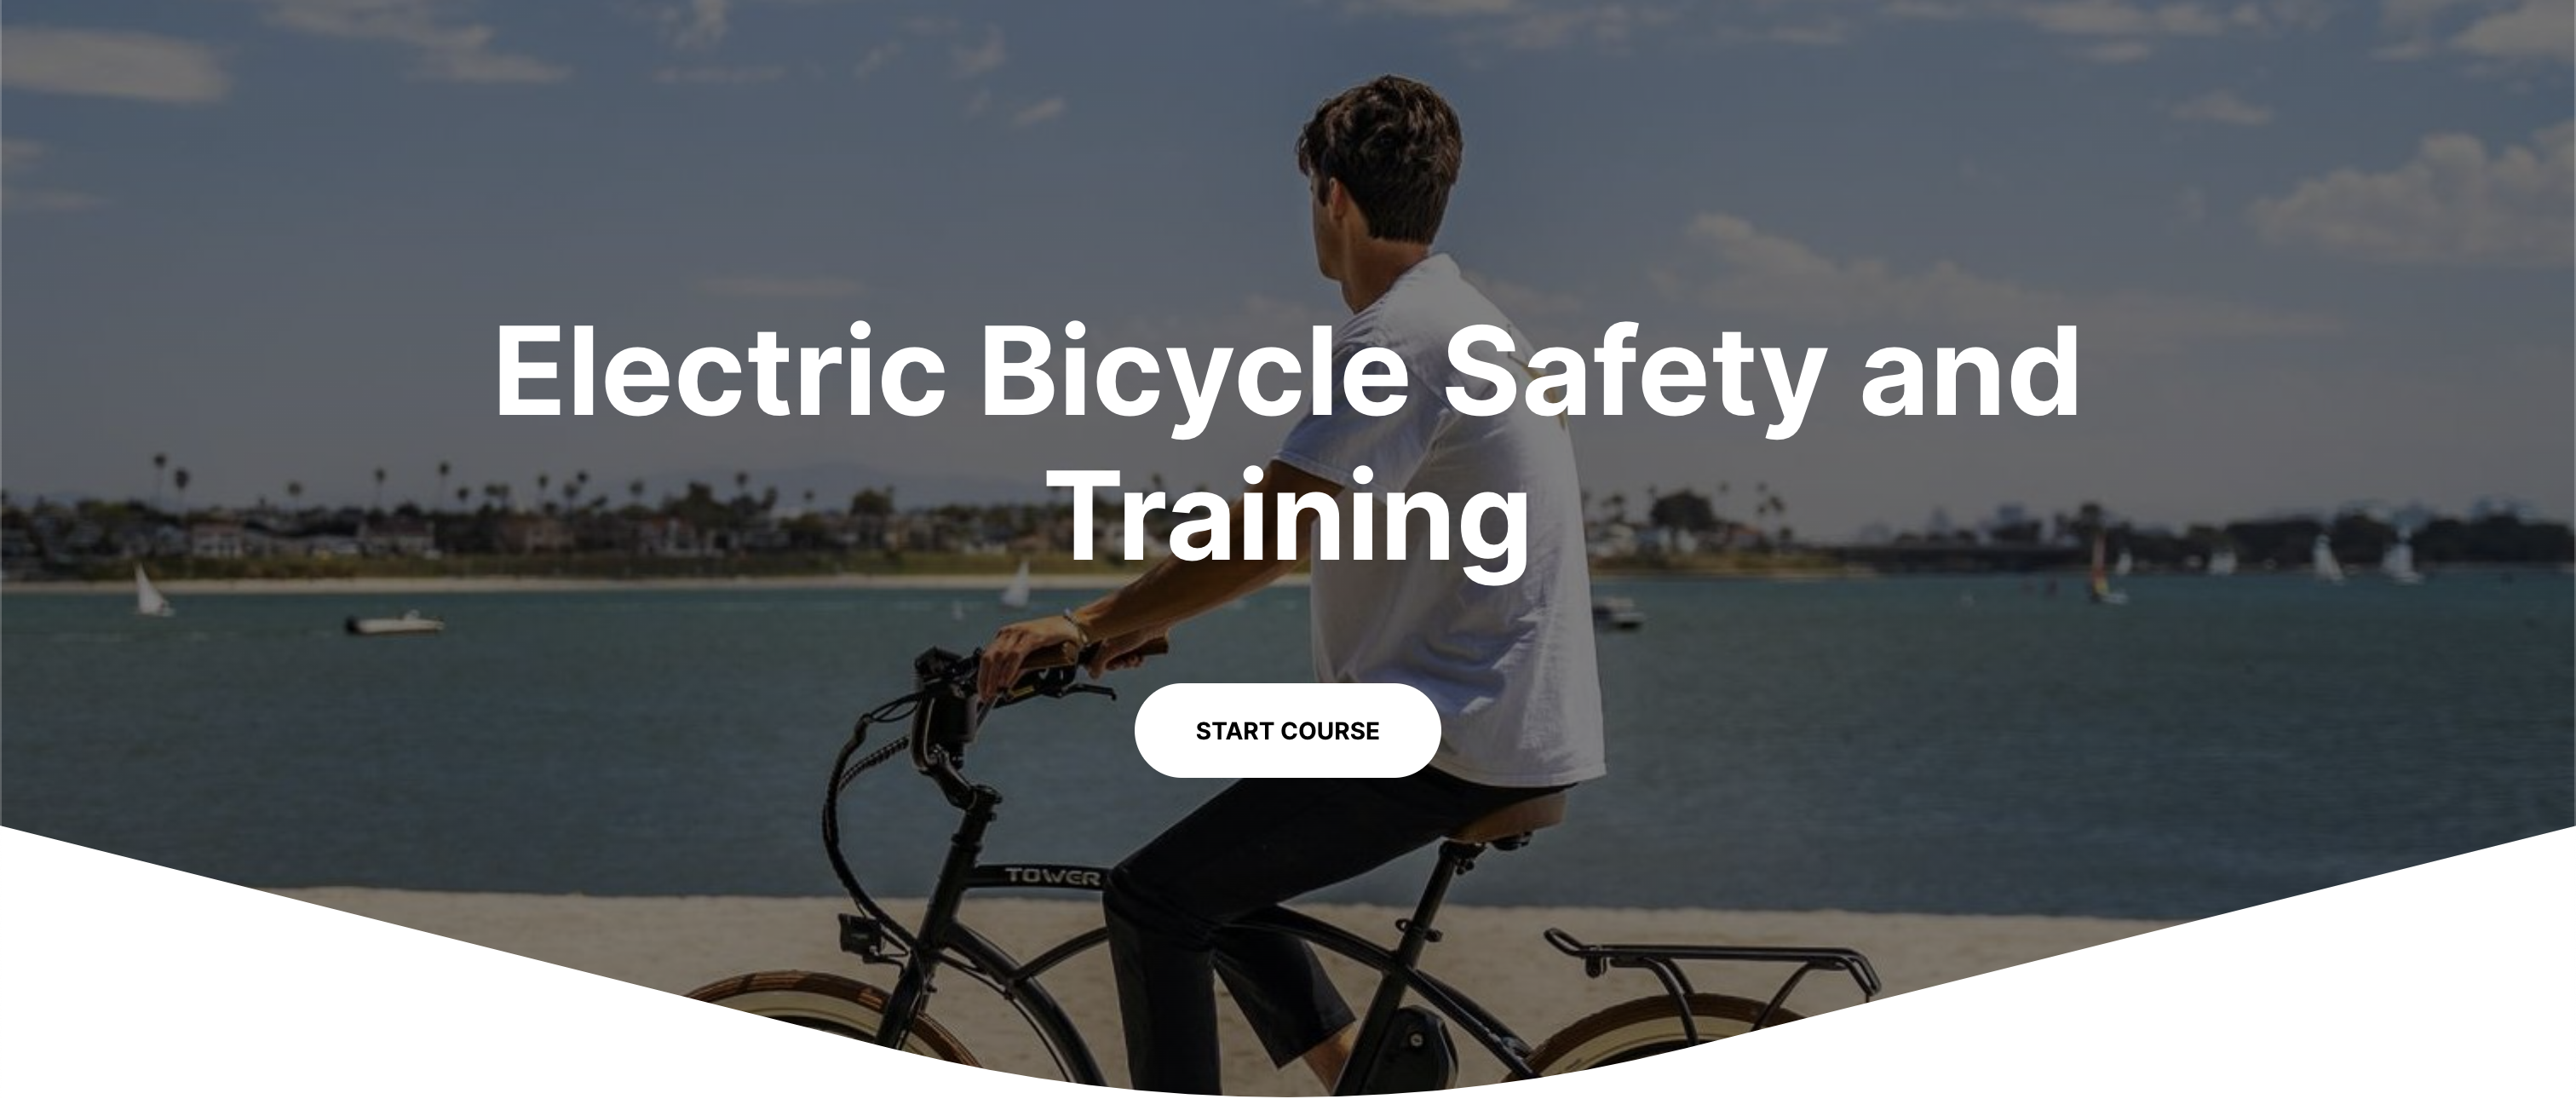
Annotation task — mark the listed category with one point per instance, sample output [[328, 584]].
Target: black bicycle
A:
[[1398, 1046]]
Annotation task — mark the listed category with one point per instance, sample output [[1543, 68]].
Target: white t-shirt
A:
[[1510, 668]]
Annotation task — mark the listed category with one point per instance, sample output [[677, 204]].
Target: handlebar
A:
[[944, 714], [1049, 672], [945, 711]]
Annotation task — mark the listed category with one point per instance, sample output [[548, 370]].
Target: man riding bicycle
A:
[[1510, 668]]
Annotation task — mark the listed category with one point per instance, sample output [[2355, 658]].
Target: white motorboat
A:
[[1616, 612], [409, 623]]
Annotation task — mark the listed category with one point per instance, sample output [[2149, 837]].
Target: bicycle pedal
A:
[[1418, 1055]]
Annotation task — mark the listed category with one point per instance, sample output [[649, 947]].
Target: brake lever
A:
[[1051, 683]]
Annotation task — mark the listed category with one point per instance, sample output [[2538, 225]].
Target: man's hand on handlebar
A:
[[1034, 643], [1126, 651]]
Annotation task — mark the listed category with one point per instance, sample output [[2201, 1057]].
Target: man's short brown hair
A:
[[1394, 145]]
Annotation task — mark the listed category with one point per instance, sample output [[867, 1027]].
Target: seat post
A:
[[1455, 858]]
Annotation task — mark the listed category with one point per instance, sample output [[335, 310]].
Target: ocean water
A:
[[1963, 745]]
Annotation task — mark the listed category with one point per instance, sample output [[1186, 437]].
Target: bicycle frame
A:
[[966, 951], [944, 719]]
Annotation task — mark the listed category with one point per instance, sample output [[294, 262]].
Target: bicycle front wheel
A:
[[1645, 1027], [830, 1003]]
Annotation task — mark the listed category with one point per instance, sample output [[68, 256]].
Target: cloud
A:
[[1255, 320], [1524, 26], [721, 74], [1035, 113], [115, 64], [700, 24], [755, 286], [2191, 206], [1761, 274], [2539, 30], [2116, 31], [876, 58], [2225, 108], [1829, 32], [2450, 204], [2117, 53], [17, 158], [2109, 17], [1606, 26], [449, 50], [974, 61], [1434, 9], [1518, 300], [2493, 31]]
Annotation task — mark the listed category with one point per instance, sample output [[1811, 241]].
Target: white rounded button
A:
[[1287, 730]]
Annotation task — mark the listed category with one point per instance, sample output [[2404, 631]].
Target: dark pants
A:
[[1258, 843]]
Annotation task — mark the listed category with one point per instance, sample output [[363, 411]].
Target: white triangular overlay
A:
[[2450, 978]]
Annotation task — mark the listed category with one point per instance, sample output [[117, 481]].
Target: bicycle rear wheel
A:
[[830, 1003], [1645, 1027]]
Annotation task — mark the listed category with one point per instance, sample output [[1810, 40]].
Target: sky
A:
[[2319, 253]]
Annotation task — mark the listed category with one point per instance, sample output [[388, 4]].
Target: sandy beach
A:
[[1494, 954]]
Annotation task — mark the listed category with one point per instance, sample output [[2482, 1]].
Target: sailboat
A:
[[2398, 564], [2222, 563], [2122, 566], [2323, 560], [148, 600], [2100, 589], [1017, 595]]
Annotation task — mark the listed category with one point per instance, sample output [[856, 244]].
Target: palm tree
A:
[[295, 494], [158, 462], [180, 479], [635, 488], [380, 488], [463, 494], [442, 478]]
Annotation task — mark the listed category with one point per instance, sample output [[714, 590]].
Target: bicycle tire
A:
[[830, 1003], [1644, 1027]]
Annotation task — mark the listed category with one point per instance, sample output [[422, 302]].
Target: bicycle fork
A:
[[913, 986]]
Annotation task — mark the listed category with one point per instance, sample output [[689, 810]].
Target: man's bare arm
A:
[[1170, 592]]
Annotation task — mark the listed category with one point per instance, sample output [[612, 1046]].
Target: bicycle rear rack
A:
[[1661, 959]]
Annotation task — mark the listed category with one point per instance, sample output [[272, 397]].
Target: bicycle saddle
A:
[[1520, 818]]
